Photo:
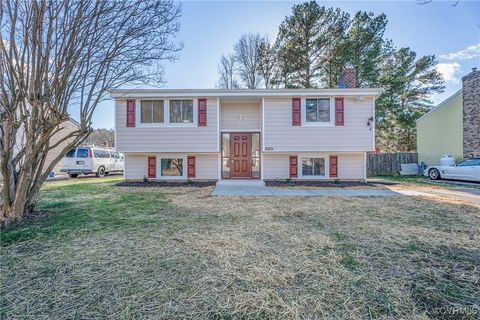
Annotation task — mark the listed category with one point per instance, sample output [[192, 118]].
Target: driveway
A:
[[461, 195]]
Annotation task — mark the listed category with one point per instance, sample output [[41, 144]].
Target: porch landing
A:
[[241, 188]]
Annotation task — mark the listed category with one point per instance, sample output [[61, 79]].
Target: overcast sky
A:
[[209, 29]]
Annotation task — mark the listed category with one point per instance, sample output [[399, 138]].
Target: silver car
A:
[[468, 170]]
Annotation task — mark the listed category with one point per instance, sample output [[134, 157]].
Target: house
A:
[[452, 127], [267, 134], [66, 128]]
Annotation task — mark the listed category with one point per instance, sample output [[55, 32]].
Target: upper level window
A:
[[151, 111], [181, 111], [317, 110]]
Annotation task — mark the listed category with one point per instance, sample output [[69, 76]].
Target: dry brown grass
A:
[[180, 253]]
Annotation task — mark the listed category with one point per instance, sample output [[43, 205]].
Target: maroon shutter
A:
[[130, 113], [293, 166], [296, 112], [191, 167], [152, 167], [333, 166], [339, 112], [202, 112]]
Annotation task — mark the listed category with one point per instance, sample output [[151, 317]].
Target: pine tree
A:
[[304, 41], [408, 83], [366, 48]]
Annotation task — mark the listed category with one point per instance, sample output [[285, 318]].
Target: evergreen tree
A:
[[408, 84], [366, 48], [334, 63], [304, 41]]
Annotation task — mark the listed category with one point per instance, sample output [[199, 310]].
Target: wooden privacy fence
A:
[[388, 163]]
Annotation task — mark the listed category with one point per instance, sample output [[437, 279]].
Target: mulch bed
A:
[[328, 184], [171, 184]]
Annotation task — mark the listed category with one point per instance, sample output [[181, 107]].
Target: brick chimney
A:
[[348, 79], [471, 114]]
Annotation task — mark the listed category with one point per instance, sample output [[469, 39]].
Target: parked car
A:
[[468, 170], [92, 160]]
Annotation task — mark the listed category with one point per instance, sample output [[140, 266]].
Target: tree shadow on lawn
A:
[[134, 252], [97, 207]]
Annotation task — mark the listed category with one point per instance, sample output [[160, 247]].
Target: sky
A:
[[209, 29]]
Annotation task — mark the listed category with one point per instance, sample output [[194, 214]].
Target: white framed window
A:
[[151, 112], [317, 111], [181, 111], [171, 167], [313, 167]]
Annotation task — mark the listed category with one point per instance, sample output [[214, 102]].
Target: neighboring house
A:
[[67, 127], [452, 127], [217, 134]]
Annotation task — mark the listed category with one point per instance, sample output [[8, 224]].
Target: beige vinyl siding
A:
[[68, 127], [231, 112], [167, 139], [136, 165], [276, 166], [350, 166], [354, 135], [206, 166]]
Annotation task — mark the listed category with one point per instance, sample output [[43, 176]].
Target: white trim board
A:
[[167, 93]]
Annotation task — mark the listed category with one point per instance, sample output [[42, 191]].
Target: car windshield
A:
[[469, 162]]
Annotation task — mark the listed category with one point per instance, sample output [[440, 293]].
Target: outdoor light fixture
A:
[[369, 123]]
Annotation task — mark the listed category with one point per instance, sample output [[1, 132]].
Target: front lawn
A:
[[104, 251]]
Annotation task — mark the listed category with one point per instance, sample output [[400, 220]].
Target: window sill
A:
[[181, 125], [170, 125], [172, 178], [312, 177], [318, 124]]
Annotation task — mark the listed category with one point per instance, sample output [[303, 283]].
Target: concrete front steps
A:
[[234, 187]]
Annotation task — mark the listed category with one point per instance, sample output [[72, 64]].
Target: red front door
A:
[[241, 148]]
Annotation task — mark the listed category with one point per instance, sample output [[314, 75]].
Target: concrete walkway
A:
[[262, 191]]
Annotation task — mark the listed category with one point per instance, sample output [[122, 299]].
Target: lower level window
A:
[[172, 167], [313, 166]]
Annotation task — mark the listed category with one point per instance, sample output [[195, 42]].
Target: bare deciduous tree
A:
[[55, 54], [268, 62], [248, 59], [226, 69]]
